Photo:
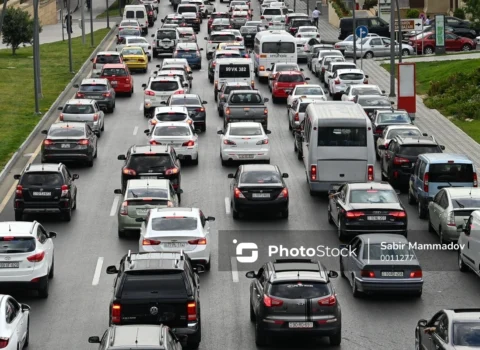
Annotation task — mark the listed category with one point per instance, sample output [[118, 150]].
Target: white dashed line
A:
[[135, 130], [141, 107], [227, 205], [234, 269], [113, 211], [98, 271], [28, 154]]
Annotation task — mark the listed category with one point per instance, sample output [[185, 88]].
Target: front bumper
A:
[[271, 206], [380, 285], [127, 223]]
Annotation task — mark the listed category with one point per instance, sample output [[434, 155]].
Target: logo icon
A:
[[246, 246], [150, 170], [7, 258], [154, 310]]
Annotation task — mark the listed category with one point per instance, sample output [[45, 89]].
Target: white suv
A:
[[26, 256], [159, 89]]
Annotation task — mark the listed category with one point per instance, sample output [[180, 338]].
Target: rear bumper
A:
[[120, 88], [370, 227], [18, 284], [233, 154], [321, 330], [42, 207], [389, 286], [137, 65], [164, 50], [271, 206], [66, 157], [128, 223], [280, 93], [105, 103]]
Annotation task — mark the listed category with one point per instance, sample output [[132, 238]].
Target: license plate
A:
[[261, 195], [114, 82], [65, 145], [377, 218], [164, 97], [300, 325], [392, 273], [42, 193], [248, 36], [246, 156], [175, 245], [148, 177], [9, 265]]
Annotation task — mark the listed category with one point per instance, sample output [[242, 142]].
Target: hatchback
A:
[[195, 107], [102, 58], [84, 111], [342, 79], [119, 76], [99, 90], [170, 114], [284, 82], [191, 52]]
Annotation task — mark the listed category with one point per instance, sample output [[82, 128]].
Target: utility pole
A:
[[82, 11], [400, 34], [4, 12], [91, 22], [354, 35], [392, 48], [36, 57], [108, 15], [69, 26]]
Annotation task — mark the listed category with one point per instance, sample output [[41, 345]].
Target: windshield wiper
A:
[[459, 204], [134, 194]]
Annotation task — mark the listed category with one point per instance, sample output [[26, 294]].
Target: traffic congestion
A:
[[207, 129]]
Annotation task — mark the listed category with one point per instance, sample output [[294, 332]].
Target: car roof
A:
[[79, 101], [218, 32], [78, 125], [148, 183], [142, 149], [392, 111], [48, 167], [179, 96], [377, 238], [244, 125], [259, 167], [166, 78], [309, 86], [166, 72], [336, 62], [167, 124], [445, 157], [463, 192], [16, 228], [94, 81], [165, 212], [108, 53], [353, 70], [420, 140], [370, 185]]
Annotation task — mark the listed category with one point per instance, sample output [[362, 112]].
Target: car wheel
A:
[[377, 156], [329, 216], [342, 269], [220, 113], [195, 161], [260, 335], [418, 294], [430, 227], [461, 265], [290, 126], [67, 216], [121, 234], [405, 52], [252, 314], [193, 345], [440, 236], [295, 149], [368, 55], [129, 94], [422, 213], [428, 50], [336, 339], [411, 198], [52, 269], [208, 265], [103, 127], [210, 79], [96, 152], [466, 47], [384, 178], [216, 96], [43, 292], [355, 291], [27, 337], [18, 216], [341, 231]]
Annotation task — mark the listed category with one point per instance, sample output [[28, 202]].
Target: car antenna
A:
[[136, 337], [9, 228]]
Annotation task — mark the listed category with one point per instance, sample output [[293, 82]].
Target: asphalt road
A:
[[81, 290]]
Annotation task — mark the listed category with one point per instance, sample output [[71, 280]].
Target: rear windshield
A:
[[248, 30], [140, 14], [415, 150], [342, 136], [342, 66], [363, 91], [291, 78], [307, 290], [184, 101], [144, 286], [374, 102], [172, 131], [103, 59], [285, 67], [301, 23], [219, 15], [137, 41], [231, 88], [229, 55], [171, 117], [128, 32], [222, 38], [465, 203], [166, 34], [67, 131], [16, 245], [142, 163], [131, 51], [373, 196], [245, 131], [398, 252], [234, 70], [303, 107], [351, 76], [147, 192], [42, 179], [246, 98], [272, 12], [394, 118], [278, 47], [93, 88], [118, 72], [183, 9], [164, 85], [260, 177], [174, 224], [466, 334], [403, 132], [309, 91], [450, 173], [78, 109]]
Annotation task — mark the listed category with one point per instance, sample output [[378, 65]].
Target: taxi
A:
[[284, 82], [135, 58]]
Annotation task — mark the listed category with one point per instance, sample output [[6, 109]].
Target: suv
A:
[[158, 288], [159, 89], [138, 336], [99, 90], [45, 189], [151, 162], [311, 306], [374, 24], [165, 41]]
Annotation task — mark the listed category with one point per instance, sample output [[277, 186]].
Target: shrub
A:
[[413, 13], [459, 13], [370, 4], [340, 8]]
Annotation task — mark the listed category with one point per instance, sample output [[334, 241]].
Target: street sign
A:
[[439, 34], [361, 32], [410, 24]]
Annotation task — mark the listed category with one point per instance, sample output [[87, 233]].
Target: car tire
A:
[[260, 335], [430, 227], [355, 292], [422, 213], [224, 162], [67, 216], [110, 109], [210, 79], [216, 96], [461, 265], [340, 231], [146, 114], [220, 113], [193, 345], [121, 234], [405, 52], [384, 178], [208, 265], [428, 50], [253, 317], [96, 153], [335, 339], [368, 55], [179, 196], [195, 161], [103, 127], [285, 214], [418, 294], [295, 149], [43, 292], [145, 70], [290, 126], [155, 55], [235, 213], [18, 216], [411, 198], [466, 47], [74, 206], [27, 337], [300, 157], [440, 236], [51, 274]]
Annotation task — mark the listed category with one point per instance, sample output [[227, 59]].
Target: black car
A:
[[191, 20], [399, 158], [158, 288], [258, 188], [45, 189], [383, 117], [248, 33], [151, 162], [293, 25], [69, 142], [374, 24], [370, 207], [294, 297], [373, 103], [99, 90], [225, 90], [150, 14], [195, 107]]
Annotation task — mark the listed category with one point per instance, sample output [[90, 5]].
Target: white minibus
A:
[[233, 70]]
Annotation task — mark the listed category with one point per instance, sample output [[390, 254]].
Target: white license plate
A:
[[148, 177], [392, 273], [42, 193], [114, 82], [248, 36], [288, 90], [142, 211], [174, 245], [65, 145], [300, 325], [376, 218], [260, 195], [246, 156], [9, 265], [164, 97]]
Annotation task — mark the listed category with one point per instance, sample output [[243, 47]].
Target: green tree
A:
[[17, 28], [472, 7], [413, 13], [459, 13]]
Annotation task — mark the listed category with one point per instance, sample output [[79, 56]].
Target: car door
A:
[[452, 42], [347, 91], [468, 250], [427, 338], [435, 209], [377, 46], [14, 320], [355, 263], [386, 47], [418, 190], [234, 183], [257, 289], [334, 205], [174, 195]]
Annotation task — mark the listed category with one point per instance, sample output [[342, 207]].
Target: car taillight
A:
[[228, 142], [425, 182], [416, 274], [370, 173], [95, 117], [283, 194], [337, 81], [65, 191], [83, 142], [328, 301], [265, 111], [386, 144], [238, 193], [367, 273], [61, 117], [19, 192], [296, 117], [130, 172], [116, 313], [150, 242], [365, 81], [192, 311], [271, 302], [124, 209], [36, 257], [151, 13], [227, 111], [80, 95], [200, 109], [190, 143], [4, 342], [47, 142], [106, 94], [299, 36], [275, 85], [400, 161], [263, 142], [214, 64], [200, 241], [354, 214], [153, 142], [451, 219], [398, 214], [149, 93], [475, 180], [262, 17], [313, 172], [171, 171], [378, 130], [179, 92]]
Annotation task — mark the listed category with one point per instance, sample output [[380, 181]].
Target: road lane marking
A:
[[234, 269], [113, 211], [227, 205], [27, 154], [98, 271], [141, 106], [135, 130]]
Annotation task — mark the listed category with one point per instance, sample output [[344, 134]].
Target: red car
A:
[[452, 43], [119, 76], [284, 82], [216, 15]]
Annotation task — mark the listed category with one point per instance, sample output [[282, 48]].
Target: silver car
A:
[[450, 208], [377, 47], [102, 58], [239, 18], [348, 41], [99, 90], [85, 111]]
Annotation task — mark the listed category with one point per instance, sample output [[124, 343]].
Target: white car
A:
[[348, 41], [244, 141], [391, 131], [154, 3], [317, 60], [129, 23], [308, 91], [307, 32], [343, 78], [180, 74], [363, 89], [179, 135], [171, 114], [333, 67], [26, 255], [174, 61], [174, 229], [296, 111], [136, 41], [14, 324], [186, 35], [281, 67], [158, 90], [207, 8], [238, 36]]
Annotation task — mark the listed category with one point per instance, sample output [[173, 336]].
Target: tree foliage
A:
[[472, 7], [17, 28], [459, 13], [413, 13]]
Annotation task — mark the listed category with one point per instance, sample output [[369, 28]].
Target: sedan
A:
[[136, 41], [220, 23], [393, 130], [259, 189], [244, 141], [426, 42], [366, 207], [308, 32], [135, 58], [381, 263], [281, 67], [348, 41], [307, 91], [15, 324], [363, 89], [377, 47]]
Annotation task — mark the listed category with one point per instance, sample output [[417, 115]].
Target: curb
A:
[[18, 154]]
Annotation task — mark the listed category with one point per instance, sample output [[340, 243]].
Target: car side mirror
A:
[[75, 177], [382, 147], [422, 323], [251, 274], [289, 92], [266, 99], [144, 85], [158, 66], [146, 131], [153, 35], [332, 274], [117, 191], [52, 234], [269, 69], [149, 47], [442, 147], [268, 132], [140, 220], [163, 20], [60, 108], [204, 102], [210, 218], [112, 270], [285, 175], [16, 176], [307, 78], [45, 132], [199, 269], [76, 86], [231, 176], [383, 91], [25, 307], [94, 340], [220, 132], [425, 134]]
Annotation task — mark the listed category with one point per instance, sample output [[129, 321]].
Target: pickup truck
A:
[[245, 106]]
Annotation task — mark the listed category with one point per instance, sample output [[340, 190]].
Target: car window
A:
[[119, 72], [291, 78], [466, 334], [254, 177], [245, 131], [394, 252], [143, 163], [438, 197], [143, 286], [178, 223], [104, 59], [415, 150], [364, 91], [41, 235], [78, 109], [165, 85], [246, 98], [93, 87], [67, 131], [172, 131], [373, 196], [451, 172], [147, 192], [346, 136], [421, 171], [11, 310], [299, 290], [444, 201], [405, 133]]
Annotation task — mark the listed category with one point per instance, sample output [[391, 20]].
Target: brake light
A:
[[370, 173], [328, 301], [171, 171], [83, 142], [416, 274], [36, 257], [238, 193], [149, 93], [80, 95], [192, 311], [271, 302], [228, 142], [150, 13], [367, 273], [214, 64], [386, 144], [283, 194], [323, 69], [262, 17], [47, 142], [354, 214], [4, 342], [65, 190], [153, 142], [263, 142], [398, 214], [296, 117], [150, 242], [265, 111], [337, 81], [227, 111], [179, 92], [425, 182], [95, 117], [116, 313], [19, 191], [106, 94], [124, 209], [190, 143], [130, 172], [313, 172], [299, 36], [61, 117], [475, 180], [451, 219], [400, 161], [200, 109], [200, 241]]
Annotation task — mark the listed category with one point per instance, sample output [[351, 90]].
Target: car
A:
[[350, 209], [374, 24], [245, 106], [185, 78], [136, 41], [220, 54], [460, 31], [258, 188], [313, 91], [179, 135], [173, 18], [296, 111], [450, 208], [170, 114], [151, 162], [316, 60], [186, 35], [119, 77], [191, 19], [239, 18], [284, 83], [393, 130], [216, 38], [366, 270], [426, 42], [165, 40], [84, 111], [69, 142], [301, 43], [361, 89], [99, 90], [102, 58], [312, 46], [173, 275], [225, 90], [15, 326], [348, 41], [370, 47], [324, 63], [332, 67], [139, 336], [142, 195], [221, 23], [308, 32], [135, 58], [244, 141], [207, 8], [238, 36], [126, 32], [195, 107], [294, 23], [342, 79], [248, 34], [214, 16], [276, 21], [158, 90], [449, 329], [237, 46], [170, 62], [372, 104], [299, 299], [282, 67], [28, 254], [128, 23]]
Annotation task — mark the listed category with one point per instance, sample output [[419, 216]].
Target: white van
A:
[[469, 244], [273, 46], [337, 145], [233, 70], [139, 13]]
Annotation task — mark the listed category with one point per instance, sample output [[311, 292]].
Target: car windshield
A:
[[164, 85], [342, 137], [246, 98], [311, 91], [466, 334], [415, 150], [451, 172], [16, 245], [186, 9], [272, 12], [147, 192], [373, 196], [166, 34], [42, 179], [67, 131], [219, 15], [303, 107], [393, 251], [129, 51], [291, 78], [248, 30], [374, 102], [222, 38], [174, 223], [365, 91], [245, 130], [172, 131], [171, 117], [78, 109], [93, 87], [104, 59], [142, 163], [403, 132], [117, 72], [187, 101], [299, 290], [260, 177], [137, 41], [394, 118]]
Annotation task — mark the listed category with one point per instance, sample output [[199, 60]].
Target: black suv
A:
[[294, 297], [45, 189], [399, 158], [158, 288], [374, 24], [151, 162]]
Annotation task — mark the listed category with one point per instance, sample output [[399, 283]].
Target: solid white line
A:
[[113, 211], [135, 130], [227, 205], [141, 107], [234, 269], [98, 271]]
